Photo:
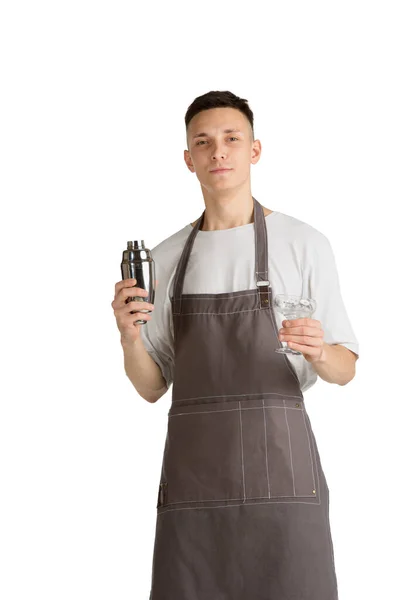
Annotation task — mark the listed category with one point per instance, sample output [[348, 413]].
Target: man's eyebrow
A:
[[225, 131]]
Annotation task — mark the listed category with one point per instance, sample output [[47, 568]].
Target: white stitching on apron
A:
[[315, 454], [241, 441], [222, 313], [247, 505], [290, 451], [266, 447], [257, 257], [204, 412], [238, 395], [217, 297], [241, 499]]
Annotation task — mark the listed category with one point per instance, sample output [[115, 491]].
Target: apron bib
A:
[[243, 503]]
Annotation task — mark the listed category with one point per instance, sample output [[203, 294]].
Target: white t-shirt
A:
[[300, 261]]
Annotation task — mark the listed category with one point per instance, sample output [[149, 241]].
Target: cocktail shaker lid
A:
[[133, 252]]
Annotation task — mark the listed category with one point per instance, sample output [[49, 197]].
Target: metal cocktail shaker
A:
[[138, 263]]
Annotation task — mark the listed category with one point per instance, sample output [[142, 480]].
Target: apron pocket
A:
[[290, 459], [257, 450], [203, 456]]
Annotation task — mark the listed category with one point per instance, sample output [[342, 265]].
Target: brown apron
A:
[[243, 504]]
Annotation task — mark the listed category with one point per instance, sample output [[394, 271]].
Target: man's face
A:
[[213, 144]]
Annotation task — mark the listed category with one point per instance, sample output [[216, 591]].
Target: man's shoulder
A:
[[300, 231], [167, 252]]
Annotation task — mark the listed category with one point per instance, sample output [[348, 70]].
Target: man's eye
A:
[[230, 138]]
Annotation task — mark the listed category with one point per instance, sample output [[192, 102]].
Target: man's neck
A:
[[239, 222]]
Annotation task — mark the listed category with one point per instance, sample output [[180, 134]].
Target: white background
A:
[[93, 98]]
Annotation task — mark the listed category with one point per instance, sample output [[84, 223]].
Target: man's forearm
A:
[[144, 374], [337, 364]]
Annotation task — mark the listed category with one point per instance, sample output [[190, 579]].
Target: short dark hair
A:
[[217, 100]]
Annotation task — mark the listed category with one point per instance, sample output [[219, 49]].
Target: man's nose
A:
[[219, 151]]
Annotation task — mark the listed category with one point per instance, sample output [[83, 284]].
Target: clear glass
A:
[[293, 307]]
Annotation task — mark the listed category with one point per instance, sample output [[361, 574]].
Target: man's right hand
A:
[[126, 322]]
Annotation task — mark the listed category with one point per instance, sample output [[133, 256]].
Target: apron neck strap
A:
[[261, 258]]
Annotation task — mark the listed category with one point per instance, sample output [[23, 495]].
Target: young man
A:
[[243, 506]]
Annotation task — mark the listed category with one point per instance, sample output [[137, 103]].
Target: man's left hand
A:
[[306, 336]]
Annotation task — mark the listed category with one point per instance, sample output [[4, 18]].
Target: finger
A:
[[130, 292], [131, 319], [124, 293], [140, 316], [124, 283], [133, 307], [302, 339], [293, 322], [304, 322], [140, 306], [312, 331], [133, 292]]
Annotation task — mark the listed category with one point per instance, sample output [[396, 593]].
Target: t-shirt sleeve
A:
[[324, 287], [157, 334]]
